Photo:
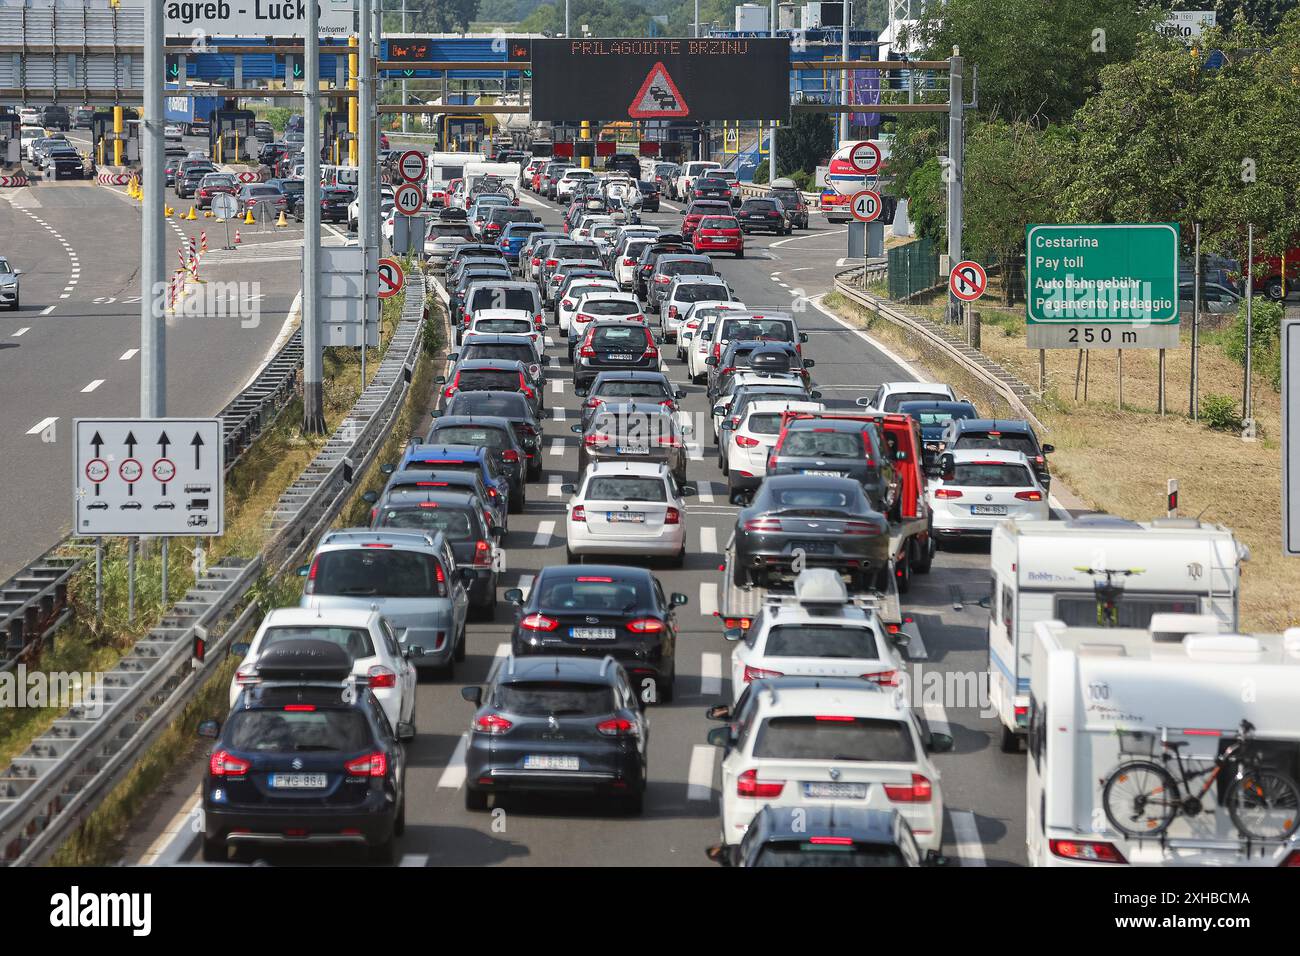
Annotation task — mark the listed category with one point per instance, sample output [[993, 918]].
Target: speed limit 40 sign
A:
[[866, 205], [409, 199]]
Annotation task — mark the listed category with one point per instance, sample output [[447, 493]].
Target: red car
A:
[[718, 234], [698, 210]]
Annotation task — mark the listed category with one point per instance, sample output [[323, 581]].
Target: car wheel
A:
[[926, 559], [17, 302], [904, 572], [633, 805], [740, 254], [516, 504], [475, 800], [214, 851], [1010, 741], [458, 654], [679, 559], [399, 824], [722, 462], [382, 852], [666, 690]]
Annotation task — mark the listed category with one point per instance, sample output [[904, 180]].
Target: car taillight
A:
[[627, 261], [510, 455], [225, 764], [758, 673], [884, 678], [536, 262], [919, 791], [671, 440], [748, 785], [371, 765], [381, 677], [717, 349], [662, 280], [1029, 495], [860, 527], [539, 321], [1090, 851], [482, 553], [646, 625], [587, 352], [552, 262], [763, 524], [744, 441], [539, 622], [579, 513], [595, 439], [310, 584], [492, 724], [617, 727], [672, 516], [946, 493]]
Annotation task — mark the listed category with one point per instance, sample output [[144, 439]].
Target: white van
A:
[[340, 176], [1180, 565], [685, 180], [1103, 700]]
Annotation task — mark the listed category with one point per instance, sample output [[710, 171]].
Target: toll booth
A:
[[336, 137], [230, 135], [10, 138], [102, 136]]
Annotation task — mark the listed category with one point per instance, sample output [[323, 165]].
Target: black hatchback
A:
[[299, 763], [494, 434], [559, 725], [837, 448], [595, 610], [766, 214], [613, 345], [511, 406]]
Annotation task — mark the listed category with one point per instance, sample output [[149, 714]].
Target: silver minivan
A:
[[409, 577]]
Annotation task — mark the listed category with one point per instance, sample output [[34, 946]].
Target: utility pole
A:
[[313, 371], [1246, 409], [844, 76], [771, 142], [153, 345], [956, 157], [367, 171]]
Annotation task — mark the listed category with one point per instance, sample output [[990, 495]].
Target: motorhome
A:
[[442, 169], [1121, 717], [1044, 570], [509, 173]]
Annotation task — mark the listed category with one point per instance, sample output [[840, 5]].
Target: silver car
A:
[[410, 577], [8, 284], [441, 241]]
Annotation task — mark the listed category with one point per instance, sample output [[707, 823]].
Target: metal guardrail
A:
[[66, 772], [34, 602], [972, 360], [814, 200]]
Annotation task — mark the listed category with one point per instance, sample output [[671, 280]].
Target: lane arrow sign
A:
[[163, 442], [197, 442], [130, 444]]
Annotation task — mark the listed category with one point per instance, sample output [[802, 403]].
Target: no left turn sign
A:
[[866, 205], [412, 166], [968, 280], [391, 278], [409, 199]]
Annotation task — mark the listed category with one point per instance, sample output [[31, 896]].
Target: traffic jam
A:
[[605, 378]]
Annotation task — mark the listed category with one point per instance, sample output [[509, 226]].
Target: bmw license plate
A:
[[831, 474], [632, 517], [297, 781], [988, 509], [549, 762], [591, 633], [835, 791]]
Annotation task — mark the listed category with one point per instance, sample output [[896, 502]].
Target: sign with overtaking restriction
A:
[[1108, 285]]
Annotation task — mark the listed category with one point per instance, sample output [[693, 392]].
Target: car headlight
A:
[[9, 284]]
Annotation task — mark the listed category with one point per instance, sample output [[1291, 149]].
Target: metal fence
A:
[[913, 268]]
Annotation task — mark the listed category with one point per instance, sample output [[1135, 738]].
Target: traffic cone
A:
[[237, 240], [248, 217], [282, 221], [190, 216], [207, 214]]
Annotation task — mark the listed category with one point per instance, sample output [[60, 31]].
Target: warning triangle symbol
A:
[[658, 96]]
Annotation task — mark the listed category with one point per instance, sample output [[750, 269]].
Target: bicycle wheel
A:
[[1264, 804], [1140, 799]]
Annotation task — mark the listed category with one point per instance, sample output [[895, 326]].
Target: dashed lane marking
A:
[[699, 778], [708, 540], [128, 355], [966, 838], [43, 424], [708, 598], [93, 385], [710, 674], [545, 530]]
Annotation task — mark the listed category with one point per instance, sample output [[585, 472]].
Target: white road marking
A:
[[708, 540], [708, 598], [454, 775], [550, 342], [875, 344], [710, 674], [935, 716], [43, 424], [966, 838], [47, 310], [23, 331], [557, 413], [128, 355], [557, 446], [525, 583], [699, 778], [557, 386], [545, 530], [705, 492], [809, 235], [553, 486], [414, 859], [93, 385]]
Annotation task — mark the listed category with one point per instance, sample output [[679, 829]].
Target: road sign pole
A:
[[956, 151], [313, 359], [772, 174], [1250, 324], [164, 573], [99, 581], [845, 74], [130, 582], [153, 364], [1192, 410]]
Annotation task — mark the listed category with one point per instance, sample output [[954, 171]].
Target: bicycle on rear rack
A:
[[1109, 592], [1142, 798]]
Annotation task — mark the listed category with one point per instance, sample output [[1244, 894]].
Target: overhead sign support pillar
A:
[[313, 372], [353, 81], [366, 184], [956, 159], [153, 282], [771, 142]]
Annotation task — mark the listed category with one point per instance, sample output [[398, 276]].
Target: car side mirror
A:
[[733, 633], [569, 489], [210, 729], [304, 570], [728, 425], [405, 731], [240, 649], [514, 596], [711, 361], [688, 491], [473, 694], [387, 468], [900, 456], [440, 380], [803, 337], [863, 402], [678, 599], [808, 363], [718, 854], [576, 429], [815, 394], [718, 712], [719, 737], [453, 357], [939, 743], [1048, 449], [370, 497], [412, 650], [681, 393], [497, 531]]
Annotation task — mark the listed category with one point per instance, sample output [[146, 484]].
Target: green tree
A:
[[440, 16], [807, 141]]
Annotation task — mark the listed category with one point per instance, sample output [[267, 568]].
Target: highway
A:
[[72, 349], [983, 788]]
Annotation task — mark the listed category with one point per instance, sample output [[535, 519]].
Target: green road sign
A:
[[1102, 286]]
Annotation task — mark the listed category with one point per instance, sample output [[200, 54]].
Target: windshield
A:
[[990, 476], [631, 336], [522, 300], [476, 435], [626, 488], [277, 731], [554, 699], [592, 593], [512, 405], [355, 640], [686, 267], [1015, 441], [510, 353], [610, 307], [893, 401], [504, 326], [809, 499], [817, 738], [378, 572], [773, 329], [701, 292], [819, 640], [764, 423], [810, 444], [431, 517], [653, 390], [488, 380]]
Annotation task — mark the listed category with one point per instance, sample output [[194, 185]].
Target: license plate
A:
[[835, 791], [633, 449], [615, 357], [549, 762], [634, 517], [814, 547], [988, 509], [297, 781], [591, 633], [831, 474]]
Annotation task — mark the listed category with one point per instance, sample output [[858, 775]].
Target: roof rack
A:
[[377, 534]]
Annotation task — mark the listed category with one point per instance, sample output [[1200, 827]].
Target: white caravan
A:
[[442, 169], [1114, 709], [1179, 565]]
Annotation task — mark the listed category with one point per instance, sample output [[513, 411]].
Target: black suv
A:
[[306, 757], [839, 448], [567, 724], [767, 214], [56, 117]]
